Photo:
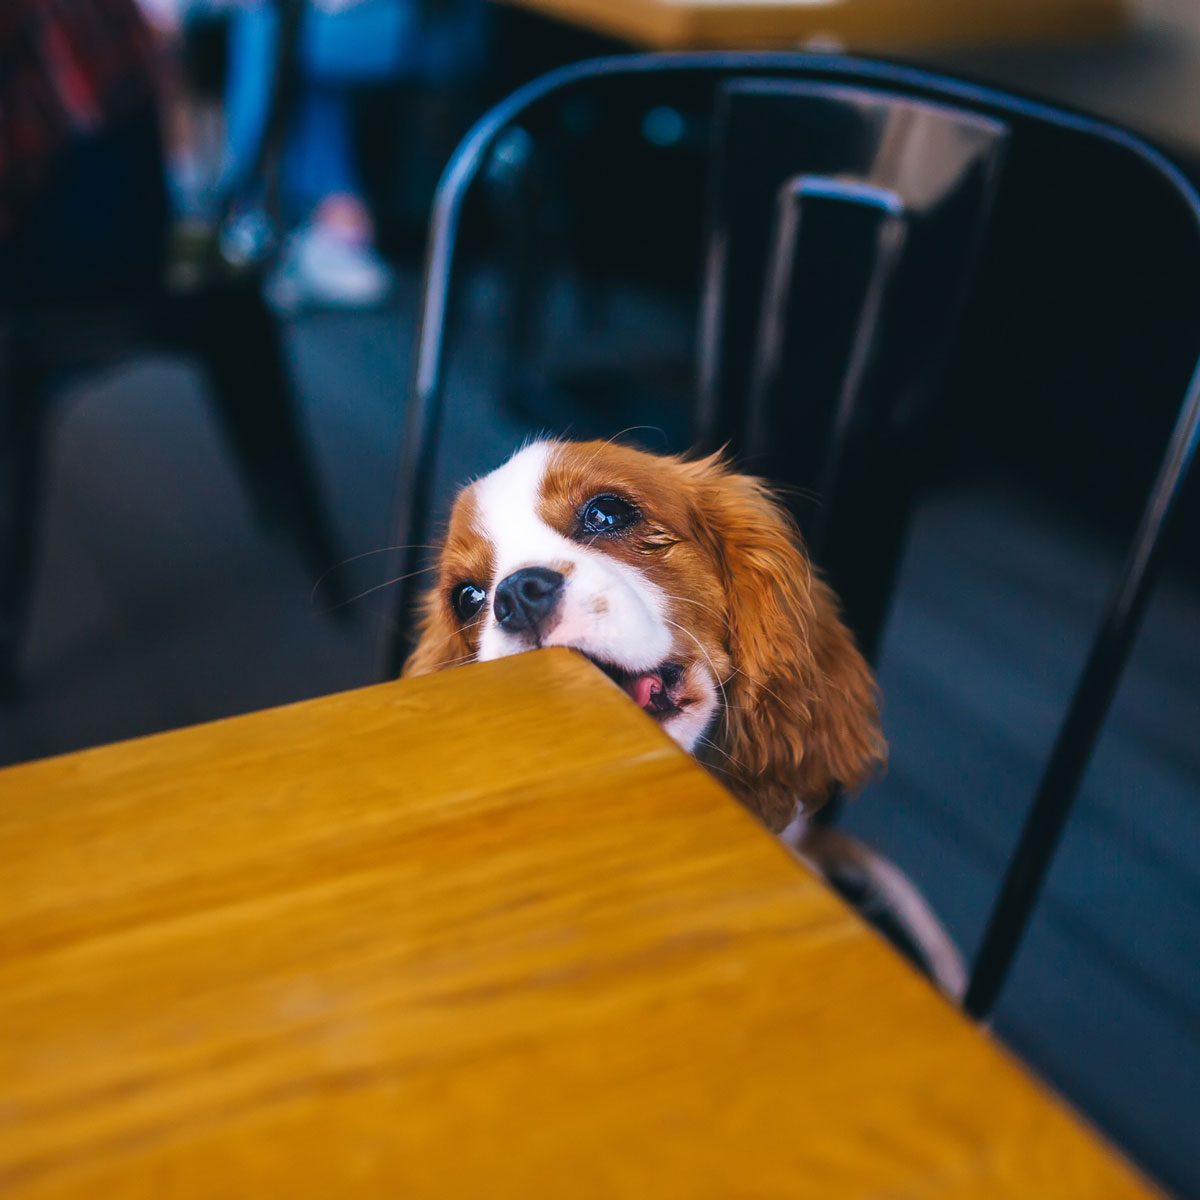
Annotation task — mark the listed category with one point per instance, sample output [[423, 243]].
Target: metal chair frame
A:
[[1111, 645]]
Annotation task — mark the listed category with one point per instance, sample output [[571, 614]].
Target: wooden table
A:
[[872, 25], [485, 934]]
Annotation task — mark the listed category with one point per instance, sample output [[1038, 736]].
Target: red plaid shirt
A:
[[66, 67]]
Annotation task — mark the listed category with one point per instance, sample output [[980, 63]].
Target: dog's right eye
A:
[[468, 600], [606, 514]]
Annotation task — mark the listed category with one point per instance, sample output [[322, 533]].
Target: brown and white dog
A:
[[688, 585]]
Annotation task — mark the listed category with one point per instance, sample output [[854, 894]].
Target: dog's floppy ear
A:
[[440, 641], [801, 714]]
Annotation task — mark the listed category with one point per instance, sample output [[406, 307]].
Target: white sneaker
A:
[[321, 268]]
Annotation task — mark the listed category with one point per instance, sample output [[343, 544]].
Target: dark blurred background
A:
[[186, 560]]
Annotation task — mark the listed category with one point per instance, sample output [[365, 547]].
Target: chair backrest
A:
[[843, 225], [1087, 283]]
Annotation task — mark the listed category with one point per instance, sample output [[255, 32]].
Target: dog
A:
[[688, 585]]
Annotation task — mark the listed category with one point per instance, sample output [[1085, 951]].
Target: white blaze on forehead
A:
[[506, 512]]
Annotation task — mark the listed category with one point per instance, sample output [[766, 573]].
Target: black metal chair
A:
[[965, 249]]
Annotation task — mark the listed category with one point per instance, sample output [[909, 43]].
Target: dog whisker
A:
[[758, 683], [337, 566], [720, 770], [662, 433], [460, 661], [708, 658], [378, 587], [720, 750], [704, 608]]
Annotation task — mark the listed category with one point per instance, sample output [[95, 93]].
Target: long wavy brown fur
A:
[[802, 713]]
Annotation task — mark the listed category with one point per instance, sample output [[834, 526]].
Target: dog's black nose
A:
[[526, 598]]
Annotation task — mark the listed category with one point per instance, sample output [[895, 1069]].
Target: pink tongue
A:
[[644, 688]]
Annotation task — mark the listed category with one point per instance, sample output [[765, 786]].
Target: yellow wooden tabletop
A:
[[876, 25], [481, 934]]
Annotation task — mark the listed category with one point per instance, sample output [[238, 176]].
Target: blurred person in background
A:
[[83, 209], [343, 47], [312, 59], [330, 257]]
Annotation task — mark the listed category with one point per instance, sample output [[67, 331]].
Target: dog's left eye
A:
[[607, 514], [468, 600]]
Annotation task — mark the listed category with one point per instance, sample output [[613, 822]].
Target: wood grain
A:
[[871, 25], [486, 933]]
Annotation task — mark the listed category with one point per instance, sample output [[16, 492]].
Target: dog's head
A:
[[685, 583]]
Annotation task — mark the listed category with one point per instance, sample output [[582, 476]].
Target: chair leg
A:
[[237, 340], [886, 897], [23, 396]]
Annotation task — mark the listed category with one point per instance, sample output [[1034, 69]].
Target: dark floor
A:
[[160, 603]]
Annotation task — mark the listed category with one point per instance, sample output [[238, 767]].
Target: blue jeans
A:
[[375, 41]]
